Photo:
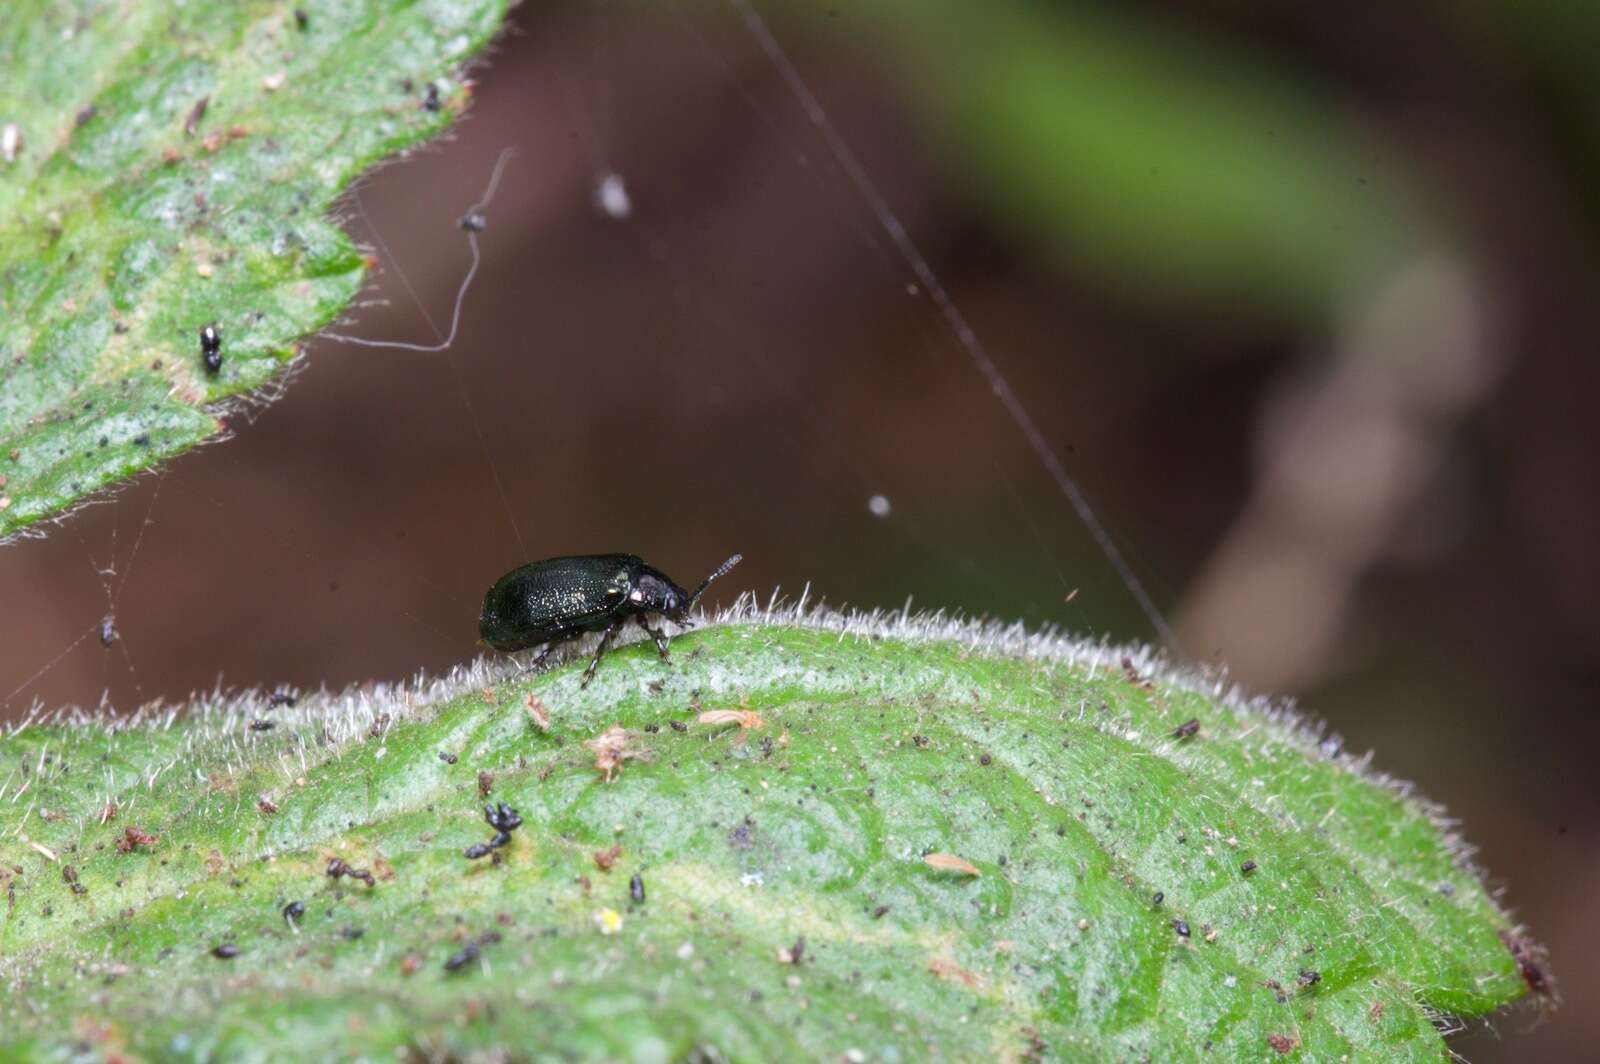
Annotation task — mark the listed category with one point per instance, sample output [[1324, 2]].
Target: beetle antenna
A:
[[721, 570]]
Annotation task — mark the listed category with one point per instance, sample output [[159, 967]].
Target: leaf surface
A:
[[172, 167], [790, 908]]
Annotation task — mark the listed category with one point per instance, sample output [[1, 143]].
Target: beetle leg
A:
[[599, 652], [548, 650], [655, 633], [545, 653]]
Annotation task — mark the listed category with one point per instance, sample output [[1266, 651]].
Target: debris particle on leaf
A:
[[504, 820], [609, 921], [952, 972], [538, 712], [337, 868], [744, 718], [196, 113], [611, 748], [742, 837], [949, 862], [1530, 962], [133, 838], [604, 859], [793, 954]]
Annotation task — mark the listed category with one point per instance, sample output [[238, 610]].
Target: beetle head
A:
[[653, 592]]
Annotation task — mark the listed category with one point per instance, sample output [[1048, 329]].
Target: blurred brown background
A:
[[1302, 294]]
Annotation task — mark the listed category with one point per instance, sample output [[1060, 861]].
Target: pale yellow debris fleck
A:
[[949, 862]]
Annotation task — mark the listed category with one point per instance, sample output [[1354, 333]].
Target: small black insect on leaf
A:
[[549, 602], [462, 957], [211, 348]]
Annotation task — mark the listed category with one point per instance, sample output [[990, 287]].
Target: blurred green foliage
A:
[[1178, 167]]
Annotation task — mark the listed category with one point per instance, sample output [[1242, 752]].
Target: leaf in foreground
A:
[[170, 166], [941, 839]]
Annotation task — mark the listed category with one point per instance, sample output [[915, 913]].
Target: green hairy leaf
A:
[[168, 166], [855, 838]]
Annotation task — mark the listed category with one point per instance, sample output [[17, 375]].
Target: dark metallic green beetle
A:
[[559, 598]]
